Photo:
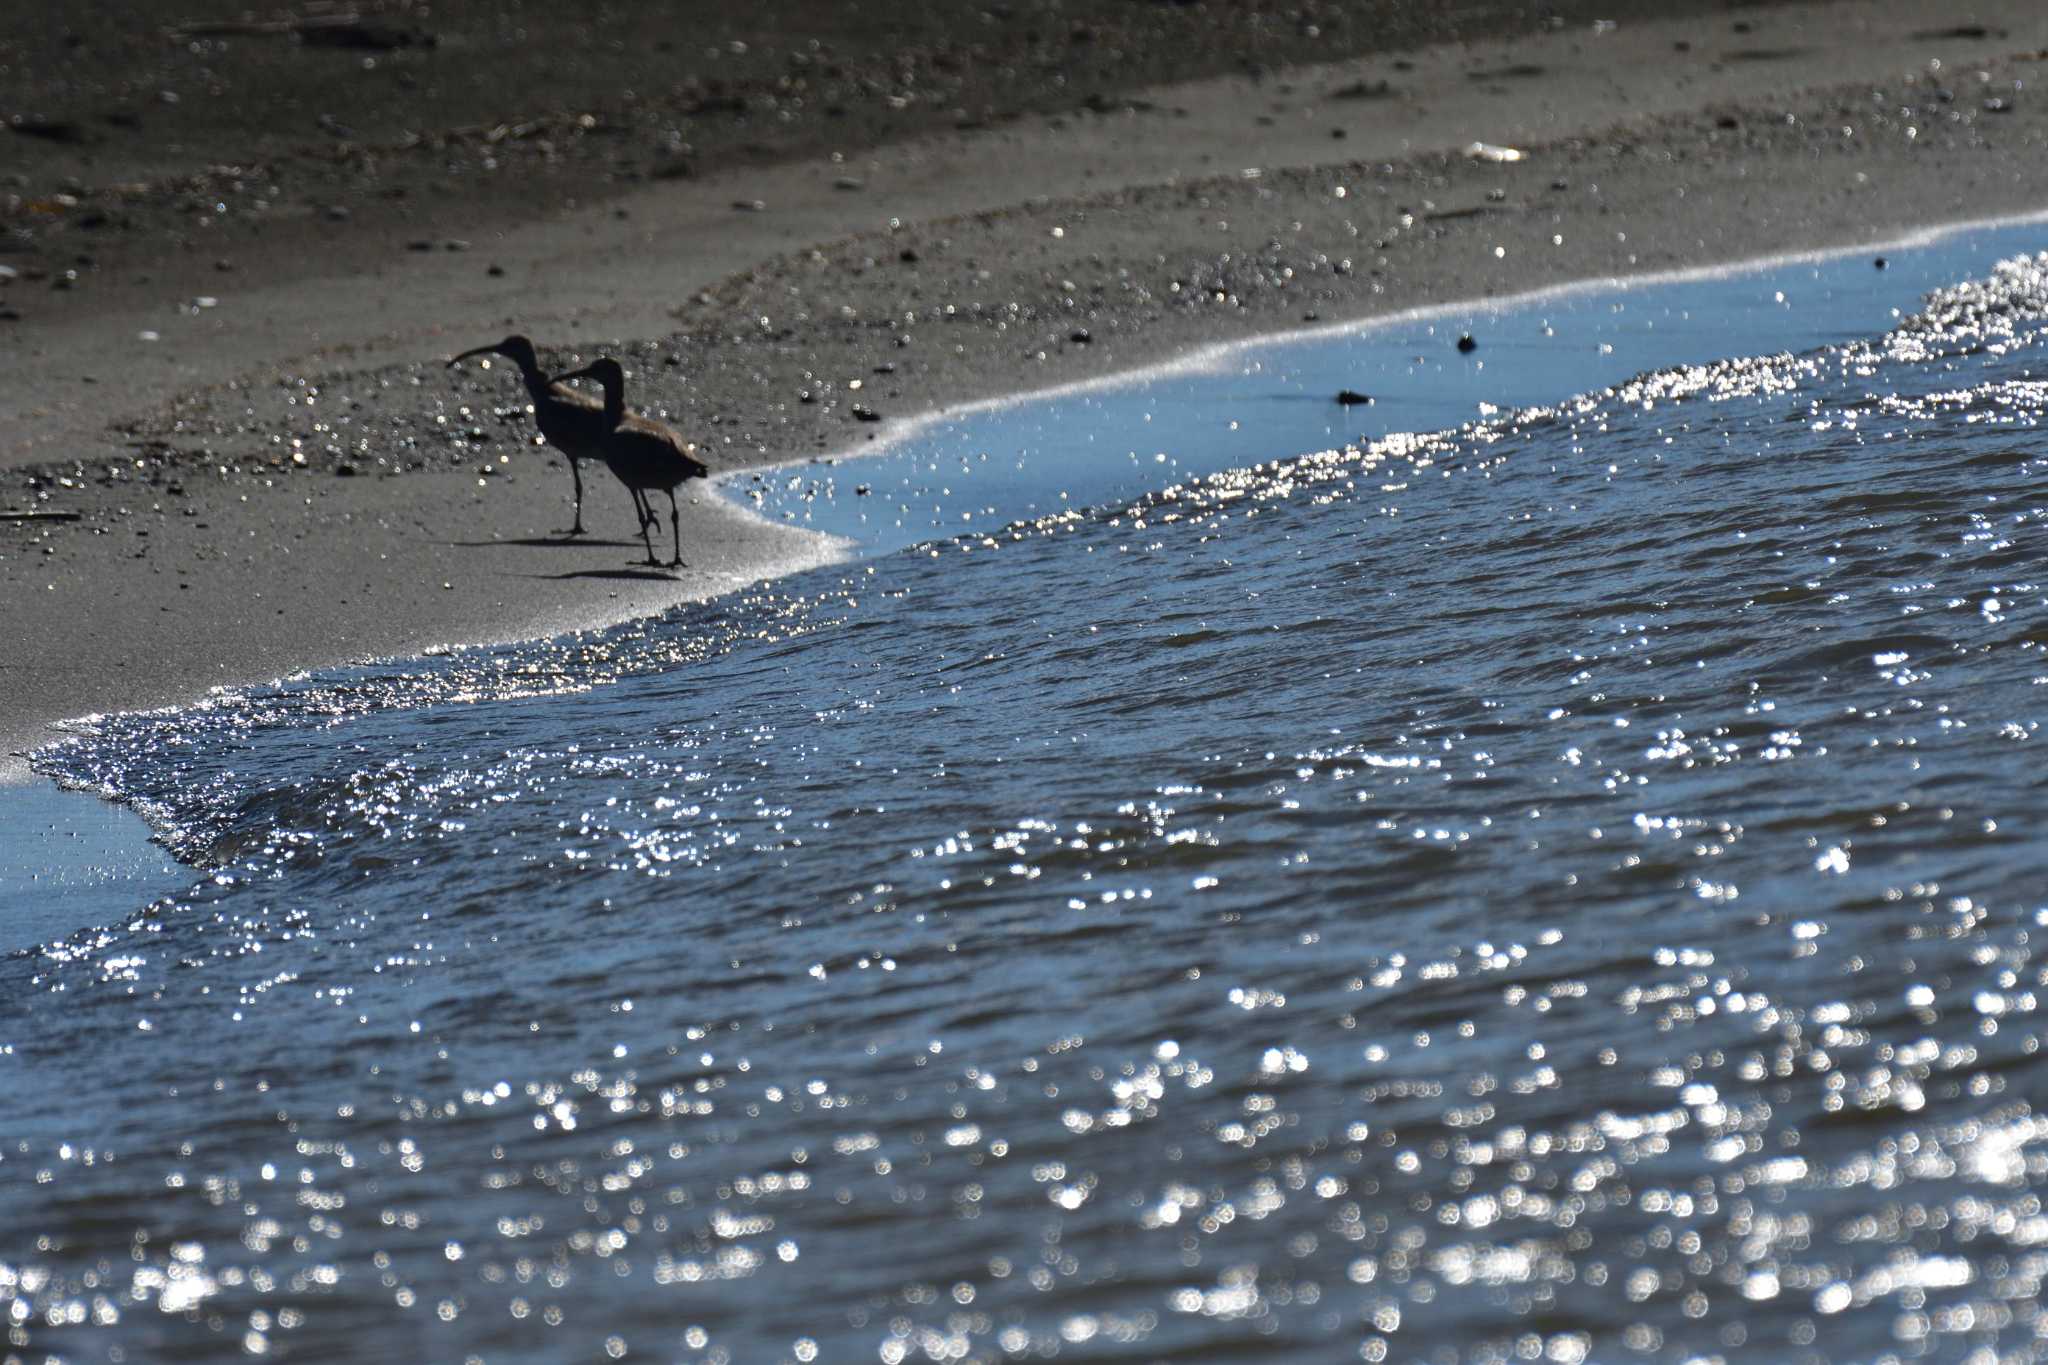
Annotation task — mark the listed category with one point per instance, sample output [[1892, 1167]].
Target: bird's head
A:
[[604, 370], [514, 348]]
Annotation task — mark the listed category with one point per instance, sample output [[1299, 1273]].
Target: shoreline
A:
[[442, 555], [821, 548]]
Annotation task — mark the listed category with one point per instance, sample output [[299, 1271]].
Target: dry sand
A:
[[287, 477]]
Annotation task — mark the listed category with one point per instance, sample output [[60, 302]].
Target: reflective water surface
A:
[[1562, 889]]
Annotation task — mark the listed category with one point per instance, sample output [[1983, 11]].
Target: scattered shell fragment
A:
[[1489, 151]]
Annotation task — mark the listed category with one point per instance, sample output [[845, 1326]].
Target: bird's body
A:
[[573, 423], [643, 453]]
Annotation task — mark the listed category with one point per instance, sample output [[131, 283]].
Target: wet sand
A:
[[286, 476]]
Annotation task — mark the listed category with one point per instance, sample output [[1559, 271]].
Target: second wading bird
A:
[[571, 422], [644, 453]]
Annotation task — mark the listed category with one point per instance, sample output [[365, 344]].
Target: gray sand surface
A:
[[284, 475]]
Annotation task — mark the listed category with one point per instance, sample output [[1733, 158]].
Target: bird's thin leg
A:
[[577, 474], [675, 527], [646, 539]]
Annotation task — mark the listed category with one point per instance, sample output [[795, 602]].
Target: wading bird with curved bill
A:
[[643, 453], [573, 423]]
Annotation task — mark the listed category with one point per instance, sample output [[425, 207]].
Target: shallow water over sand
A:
[[1564, 889]]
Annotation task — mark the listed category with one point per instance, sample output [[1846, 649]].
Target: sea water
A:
[[1555, 881]]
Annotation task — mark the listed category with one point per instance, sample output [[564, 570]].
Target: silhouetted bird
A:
[[571, 422], [644, 453]]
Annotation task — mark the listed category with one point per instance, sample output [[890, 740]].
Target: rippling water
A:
[[1561, 889]]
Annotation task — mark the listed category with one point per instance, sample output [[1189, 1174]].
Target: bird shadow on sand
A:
[[645, 575]]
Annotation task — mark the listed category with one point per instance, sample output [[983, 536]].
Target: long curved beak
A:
[[481, 350]]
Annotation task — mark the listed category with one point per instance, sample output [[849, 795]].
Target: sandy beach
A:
[[244, 453]]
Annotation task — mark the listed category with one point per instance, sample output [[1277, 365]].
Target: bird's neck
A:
[[538, 385], [614, 404]]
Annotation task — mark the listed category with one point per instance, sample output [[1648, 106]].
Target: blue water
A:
[[70, 858], [980, 468], [1559, 888]]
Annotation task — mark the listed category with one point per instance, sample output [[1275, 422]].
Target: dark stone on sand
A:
[[864, 413], [344, 470], [1352, 398], [494, 271], [1466, 345], [907, 256], [49, 130], [1079, 336], [1880, 263], [352, 35]]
